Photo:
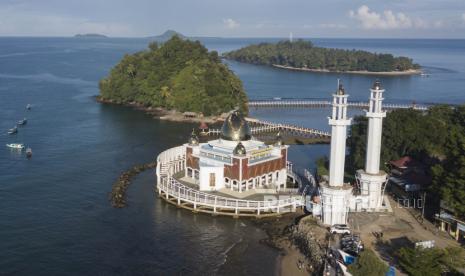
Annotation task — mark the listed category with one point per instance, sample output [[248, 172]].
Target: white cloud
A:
[[385, 21], [231, 24]]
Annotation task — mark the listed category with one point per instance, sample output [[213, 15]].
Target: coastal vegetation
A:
[[304, 55], [431, 261], [367, 263], [436, 137], [177, 75]]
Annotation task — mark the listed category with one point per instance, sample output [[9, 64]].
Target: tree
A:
[[449, 176], [131, 71], [430, 261], [420, 262], [367, 263]]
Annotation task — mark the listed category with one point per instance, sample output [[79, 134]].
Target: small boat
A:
[[13, 130], [22, 122], [28, 152], [15, 146], [277, 98], [28, 107]]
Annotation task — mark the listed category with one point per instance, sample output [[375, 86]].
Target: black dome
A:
[[235, 128]]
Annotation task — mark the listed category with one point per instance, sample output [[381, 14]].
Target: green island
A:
[[303, 55], [180, 75], [436, 137]]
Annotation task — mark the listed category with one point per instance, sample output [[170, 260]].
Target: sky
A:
[[236, 18]]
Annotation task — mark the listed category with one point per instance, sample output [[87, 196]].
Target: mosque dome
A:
[[193, 139], [235, 128], [377, 85], [239, 149]]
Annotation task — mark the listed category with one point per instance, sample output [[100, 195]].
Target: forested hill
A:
[[179, 74], [304, 55]]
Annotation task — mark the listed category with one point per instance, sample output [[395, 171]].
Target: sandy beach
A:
[[392, 73], [288, 263]]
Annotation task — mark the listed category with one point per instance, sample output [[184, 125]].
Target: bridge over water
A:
[[318, 103], [258, 126]]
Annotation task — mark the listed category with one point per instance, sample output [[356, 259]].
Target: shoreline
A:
[[298, 241], [390, 73], [161, 113]]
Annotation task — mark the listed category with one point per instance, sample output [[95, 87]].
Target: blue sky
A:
[[236, 18]]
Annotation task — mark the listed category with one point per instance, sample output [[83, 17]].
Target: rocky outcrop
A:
[[305, 235]]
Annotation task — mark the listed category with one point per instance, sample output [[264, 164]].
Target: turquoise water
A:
[[54, 215]]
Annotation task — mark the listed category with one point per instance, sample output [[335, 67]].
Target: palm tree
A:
[[165, 92], [131, 70]]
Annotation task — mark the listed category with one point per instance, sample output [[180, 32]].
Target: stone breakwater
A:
[[117, 196]]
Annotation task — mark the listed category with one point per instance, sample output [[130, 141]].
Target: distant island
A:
[[179, 75], [167, 35], [303, 55], [90, 36]]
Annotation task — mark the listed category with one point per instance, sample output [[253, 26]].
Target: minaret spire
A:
[[375, 116], [372, 180], [339, 123], [335, 195]]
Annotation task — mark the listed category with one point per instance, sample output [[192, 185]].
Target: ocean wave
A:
[[48, 77], [225, 253]]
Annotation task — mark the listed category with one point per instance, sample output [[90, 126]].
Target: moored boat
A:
[[28, 152], [15, 146], [22, 122], [13, 130]]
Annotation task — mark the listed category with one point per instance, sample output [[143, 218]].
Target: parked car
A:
[[339, 229]]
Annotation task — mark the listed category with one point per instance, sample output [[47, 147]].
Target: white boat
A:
[[13, 130], [28, 152], [22, 122], [15, 146]]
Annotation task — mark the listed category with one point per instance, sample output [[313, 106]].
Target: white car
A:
[[339, 229]]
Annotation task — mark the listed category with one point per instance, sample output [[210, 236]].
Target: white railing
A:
[[184, 194], [324, 103], [265, 126]]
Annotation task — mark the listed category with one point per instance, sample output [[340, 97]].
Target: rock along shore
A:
[[117, 196], [301, 240], [162, 113]]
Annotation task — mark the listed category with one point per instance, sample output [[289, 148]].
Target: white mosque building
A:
[[337, 197], [235, 161]]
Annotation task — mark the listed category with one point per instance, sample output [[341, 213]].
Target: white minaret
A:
[[335, 195], [338, 122], [372, 179]]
